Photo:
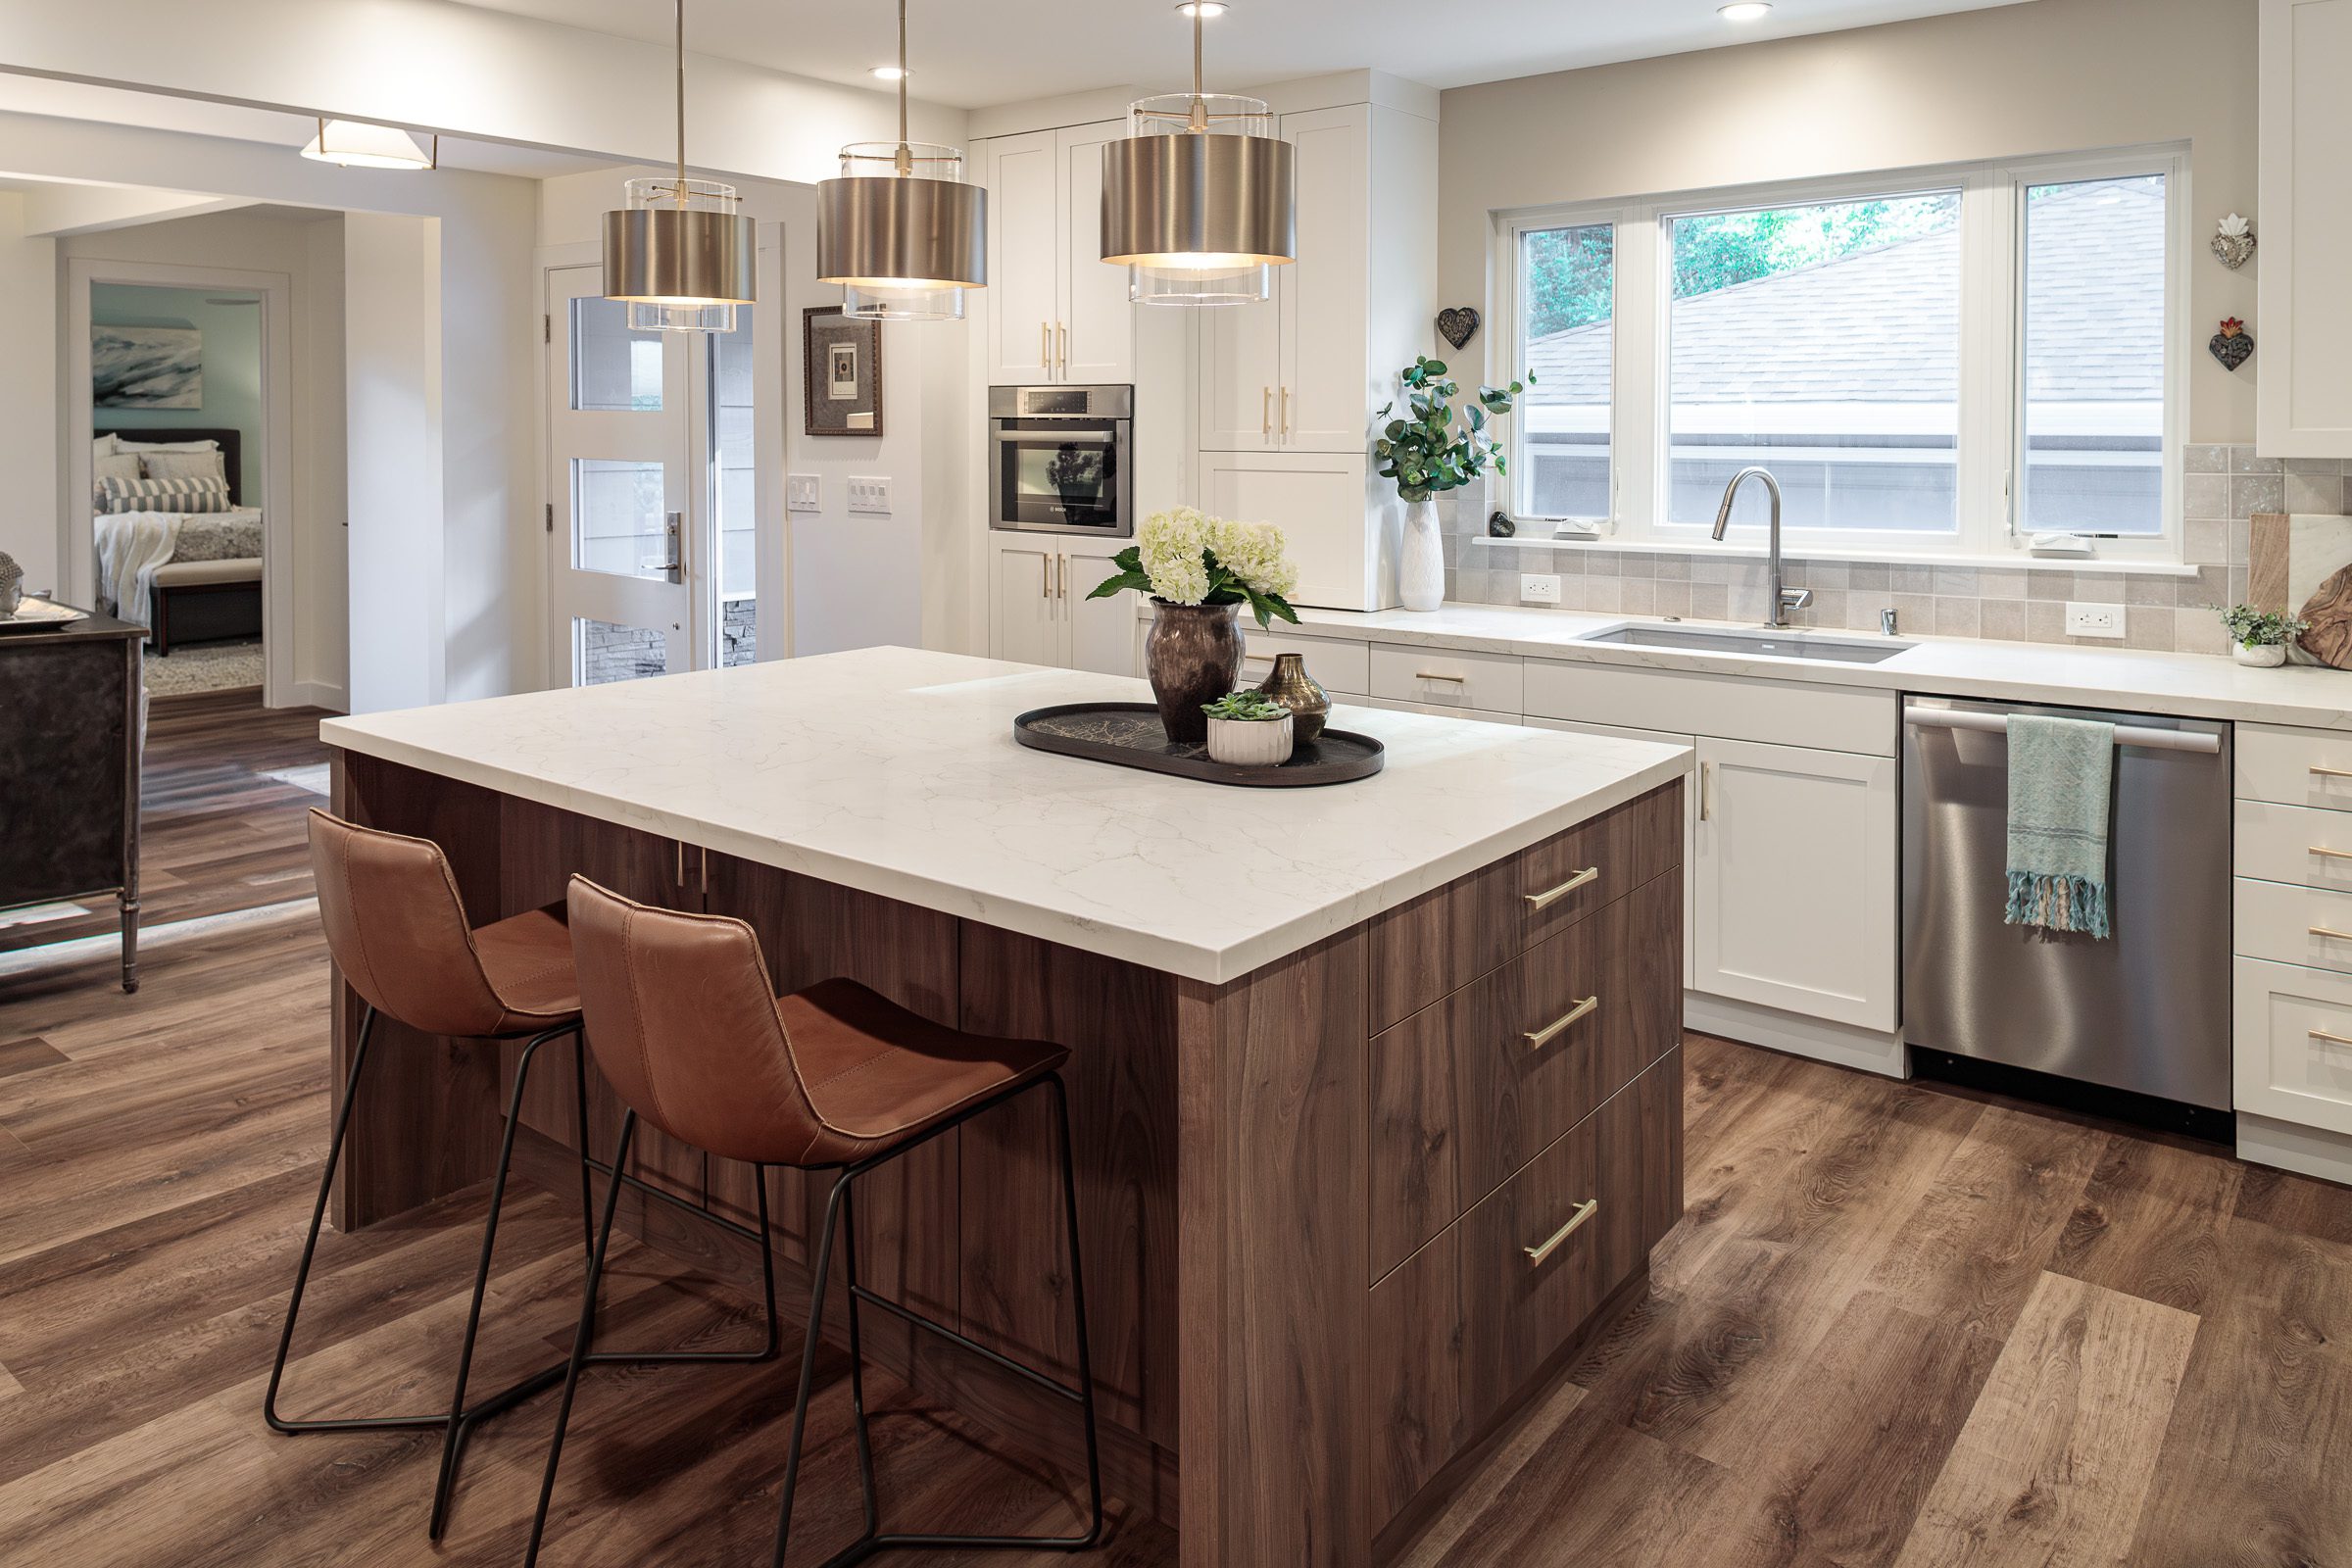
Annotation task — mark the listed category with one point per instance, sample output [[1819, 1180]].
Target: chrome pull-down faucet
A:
[[1783, 600]]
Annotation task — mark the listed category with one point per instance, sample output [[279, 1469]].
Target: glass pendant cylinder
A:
[[901, 232], [1198, 199], [681, 264]]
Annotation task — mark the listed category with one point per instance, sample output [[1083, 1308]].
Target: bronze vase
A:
[[1295, 689], [1192, 654]]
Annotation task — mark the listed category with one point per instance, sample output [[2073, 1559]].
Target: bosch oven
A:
[[1058, 459]]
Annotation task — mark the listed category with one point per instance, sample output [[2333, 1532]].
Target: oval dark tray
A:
[[1129, 735]]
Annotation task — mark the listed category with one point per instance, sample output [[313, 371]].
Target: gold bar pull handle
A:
[[2332, 935], [1538, 1038], [1552, 896], [1265, 413], [1551, 1244], [2333, 854], [1451, 680], [1286, 413], [2333, 1039], [1045, 347], [2316, 771]]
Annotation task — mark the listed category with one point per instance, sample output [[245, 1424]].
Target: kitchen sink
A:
[[1766, 644]]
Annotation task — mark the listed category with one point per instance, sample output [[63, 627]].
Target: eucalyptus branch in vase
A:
[[1431, 448]]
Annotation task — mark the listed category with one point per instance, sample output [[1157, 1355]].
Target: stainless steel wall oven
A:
[[1058, 459]]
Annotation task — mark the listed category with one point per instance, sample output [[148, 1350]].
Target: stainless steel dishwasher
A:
[[2145, 1010]]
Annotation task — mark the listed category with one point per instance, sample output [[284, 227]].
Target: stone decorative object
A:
[[1421, 567], [1293, 688], [2269, 656], [2231, 345], [2233, 243], [12, 585], [1500, 526], [1192, 654], [1457, 324]]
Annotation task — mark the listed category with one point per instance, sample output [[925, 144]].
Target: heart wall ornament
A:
[[2233, 242], [2230, 345], [1457, 324]]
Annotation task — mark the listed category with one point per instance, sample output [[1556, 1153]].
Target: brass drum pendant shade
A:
[[899, 230], [1198, 201], [679, 252]]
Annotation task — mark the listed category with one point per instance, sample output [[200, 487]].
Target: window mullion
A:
[[1636, 416], [1987, 334]]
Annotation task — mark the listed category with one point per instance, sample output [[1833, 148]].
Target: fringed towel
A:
[[2059, 778]]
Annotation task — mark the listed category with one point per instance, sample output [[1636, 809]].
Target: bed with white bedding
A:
[[187, 575]]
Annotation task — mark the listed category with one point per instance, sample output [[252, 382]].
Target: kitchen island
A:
[[1376, 1088]]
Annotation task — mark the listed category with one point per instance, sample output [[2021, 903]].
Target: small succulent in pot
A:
[[1249, 729], [2259, 637]]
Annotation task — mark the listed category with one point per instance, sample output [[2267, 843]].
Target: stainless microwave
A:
[[1057, 459]]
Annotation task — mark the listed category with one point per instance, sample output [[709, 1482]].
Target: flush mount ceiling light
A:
[[1744, 11], [355, 144], [679, 252], [899, 230], [890, 72], [1197, 200]]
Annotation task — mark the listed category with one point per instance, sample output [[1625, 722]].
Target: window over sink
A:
[[1936, 363]]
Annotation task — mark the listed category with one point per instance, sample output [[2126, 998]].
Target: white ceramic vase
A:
[[1250, 742], [1421, 571], [2270, 656]]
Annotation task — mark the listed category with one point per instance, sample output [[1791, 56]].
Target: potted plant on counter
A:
[[1249, 729], [1428, 453], [2259, 637], [1198, 571]]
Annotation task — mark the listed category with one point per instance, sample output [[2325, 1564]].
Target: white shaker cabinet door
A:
[[1098, 322], [1102, 631], [1690, 812], [1325, 398], [1027, 624], [1793, 887], [1024, 259]]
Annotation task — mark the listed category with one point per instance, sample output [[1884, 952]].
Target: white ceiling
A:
[[970, 53]]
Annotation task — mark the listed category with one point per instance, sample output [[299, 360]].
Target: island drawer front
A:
[[1447, 675], [2294, 843], [1464, 1324], [1462, 1097], [1735, 707], [1442, 941], [2311, 926], [1342, 668], [2293, 1047], [2294, 766]]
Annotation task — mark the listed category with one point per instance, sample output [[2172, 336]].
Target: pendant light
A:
[[1197, 200], [899, 230], [679, 252], [355, 144]]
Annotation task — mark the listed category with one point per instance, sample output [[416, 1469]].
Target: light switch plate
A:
[[2094, 620], [1539, 588], [869, 493], [801, 493]]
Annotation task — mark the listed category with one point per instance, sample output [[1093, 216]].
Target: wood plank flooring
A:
[[1899, 1328]]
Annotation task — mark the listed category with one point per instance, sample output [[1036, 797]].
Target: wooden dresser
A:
[[69, 769]]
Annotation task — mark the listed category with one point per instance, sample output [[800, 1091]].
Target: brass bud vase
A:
[[1295, 689], [1192, 654]]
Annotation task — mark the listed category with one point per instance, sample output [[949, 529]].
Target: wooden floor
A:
[[1899, 1326]]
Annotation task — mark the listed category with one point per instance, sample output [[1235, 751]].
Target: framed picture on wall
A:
[[841, 363], [146, 366]]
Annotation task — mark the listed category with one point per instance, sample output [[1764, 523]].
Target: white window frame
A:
[[1991, 359]]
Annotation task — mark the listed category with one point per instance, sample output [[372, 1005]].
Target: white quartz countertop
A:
[[2189, 685], [894, 771]]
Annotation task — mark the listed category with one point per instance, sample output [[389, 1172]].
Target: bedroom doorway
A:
[[175, 375], [653, 558]]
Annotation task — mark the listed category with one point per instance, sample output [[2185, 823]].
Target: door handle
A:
[[1061, 341], [2316, 771], [1286, 413], [2325, 1037], [1706, 798], [1538, 1038], [2331, 936], [674, 526], [2333, 854], [1045, 576], [1061, 576], [1552, 896], [1045, 347], [1266, 412], [1551, 1244]]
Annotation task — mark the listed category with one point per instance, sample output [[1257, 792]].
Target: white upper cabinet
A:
[[1056, 312], [2303, 406]]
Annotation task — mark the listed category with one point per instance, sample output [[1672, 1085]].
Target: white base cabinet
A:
[[1040, 613], [1343, 536]]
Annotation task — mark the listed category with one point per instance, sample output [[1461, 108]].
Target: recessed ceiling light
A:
[[890, 72], [1207, 10], [1744, 11]]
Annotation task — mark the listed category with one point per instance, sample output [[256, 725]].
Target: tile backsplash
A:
[[2223, 487]]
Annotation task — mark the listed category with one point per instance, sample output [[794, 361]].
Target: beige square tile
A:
[[1830, 573], [2241, 541], [1959, 617], [2250, 493], [1634, 563], [2004, 619], [2001, 582], [2209, 541], [1572, 593], [1915, 611], [2045, 620], [1859, 575], [2050, 586], [2206, 495], [2198, 631], [2205, 460], [1914, 579], [2209, 589], [1674, 599], [1827, 608], [1710, 601], [1603, 564], [1639, 596], [2157, 591], [2243, 461], [2148, 626], [1605, 594], [1673, 569], [1953, 582], [2313, 492]]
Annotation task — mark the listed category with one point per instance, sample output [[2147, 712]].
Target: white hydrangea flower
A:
[[1172, 544], [1254, 553]]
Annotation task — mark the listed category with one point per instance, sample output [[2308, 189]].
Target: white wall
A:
[[2059, 76], [28, 425], [398, 608]]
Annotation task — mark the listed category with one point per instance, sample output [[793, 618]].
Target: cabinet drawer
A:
[[1467, 1090], [1342, 667], [1473, 715], [1736, 708], [1448, 937], [1442, 676], [2294, 843], [2294, 766], [2294, 1045], [2299, 925]]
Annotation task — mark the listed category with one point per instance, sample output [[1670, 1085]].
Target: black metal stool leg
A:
[[818, 1279], [579, 1064], [866, 1446], [580, 1341], [460, 1418], [1086, 1366], [309, 1244]]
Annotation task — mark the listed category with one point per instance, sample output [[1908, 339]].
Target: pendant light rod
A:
[[679, 9], [906, 160]]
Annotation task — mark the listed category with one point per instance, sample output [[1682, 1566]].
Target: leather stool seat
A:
[[527, 960]]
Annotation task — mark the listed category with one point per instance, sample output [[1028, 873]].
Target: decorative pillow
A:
[[183, 465], [105, 446], [111, 465], [122, 445], [165, 495]]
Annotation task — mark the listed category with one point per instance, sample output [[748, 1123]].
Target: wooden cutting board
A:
[[2330, 612]]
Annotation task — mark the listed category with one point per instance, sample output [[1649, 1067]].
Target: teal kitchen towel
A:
[[2059, 773]]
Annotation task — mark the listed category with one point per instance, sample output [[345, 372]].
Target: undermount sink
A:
[[1760, 643]]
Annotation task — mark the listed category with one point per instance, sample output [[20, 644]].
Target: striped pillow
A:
[[164, 495]]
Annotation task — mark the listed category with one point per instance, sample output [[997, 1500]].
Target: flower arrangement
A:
[[1186, 557], [1429, 452], [2249, 628]]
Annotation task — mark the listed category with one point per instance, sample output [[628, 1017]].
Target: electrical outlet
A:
[[1539, 588], [869, 494], [2094, 620], [801, 493]]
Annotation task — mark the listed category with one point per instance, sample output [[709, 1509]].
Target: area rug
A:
[[206, 668]]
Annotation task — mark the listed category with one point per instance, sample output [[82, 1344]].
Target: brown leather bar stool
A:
[[686, 1024], [398, 931]]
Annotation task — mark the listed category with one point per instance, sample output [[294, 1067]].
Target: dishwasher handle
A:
[[2155, 740]]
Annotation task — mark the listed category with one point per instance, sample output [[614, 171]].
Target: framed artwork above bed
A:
[[146, 366]]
